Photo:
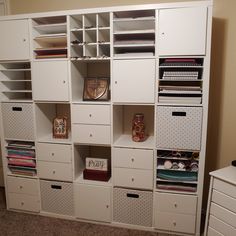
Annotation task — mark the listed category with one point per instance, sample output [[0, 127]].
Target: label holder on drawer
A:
[[179, 113]]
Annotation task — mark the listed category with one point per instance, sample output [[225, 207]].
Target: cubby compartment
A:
[[122, 125], [45, 114], [21, 158], [80, 70], [88, 32], [180, 80], [177, 170], [15, 81], [50, 37], [81, 152], [134, 33]]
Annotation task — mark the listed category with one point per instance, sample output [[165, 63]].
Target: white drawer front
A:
[[98, 134], [22, 185], [54, 152], [54, 171], [176, 203], [91, 114], [221, 213], [224, 200], [133, 158], [224, 187], [212, 232], [221, 227], [175, 222], [23, 202], [133, 178]]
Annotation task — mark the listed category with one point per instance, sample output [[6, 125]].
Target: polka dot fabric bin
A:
[[179, 127], [132, 206]]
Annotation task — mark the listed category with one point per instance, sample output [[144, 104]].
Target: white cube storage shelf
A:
[[156, 59]]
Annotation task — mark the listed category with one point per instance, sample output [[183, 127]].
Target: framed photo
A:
[[60, 127], [96, 89]]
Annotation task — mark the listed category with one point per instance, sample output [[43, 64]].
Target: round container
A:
[[138, 128]]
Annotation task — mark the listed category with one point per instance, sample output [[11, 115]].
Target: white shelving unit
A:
[[156, 61]]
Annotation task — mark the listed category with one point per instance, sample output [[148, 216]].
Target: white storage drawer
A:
[[22, 185], [212, 232], [222, 214], [133, 178], [175, 222], [18, 121], [133, 158], [132, 207], [175, 203], [91, 114], [179, 127], [57, 197], [93, 208], [221, 227], [55, 171], [94, 134], [224, 187], [23, 202], [54, 152], [224, 200]]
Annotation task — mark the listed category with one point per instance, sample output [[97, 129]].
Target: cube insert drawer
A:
[[179, 127], [224, 187], [57, 197], [175, 203], [24, 202], [55, 171], [94, 134], [91, 114], [133, 158], [132, 206], [18, 121], [54, 152], [175, 222], [133, 178], [22, 185]]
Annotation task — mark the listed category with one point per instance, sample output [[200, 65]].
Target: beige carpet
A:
[[20, 224]]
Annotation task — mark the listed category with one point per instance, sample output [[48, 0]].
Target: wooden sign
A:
[[96, 164]]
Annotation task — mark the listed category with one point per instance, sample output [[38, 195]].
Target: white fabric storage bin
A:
[[18, 121], [179, 127], [57, 197], [132, 206]]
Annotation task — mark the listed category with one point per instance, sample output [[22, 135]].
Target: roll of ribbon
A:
[[167, 164]]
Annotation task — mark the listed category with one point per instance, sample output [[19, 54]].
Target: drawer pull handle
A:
[[175, 205], [132, 195], [132, 179], [17, 108], [56, 187], [53, 154], [90, 135], [132, 159], [54, 172], [107, 206], [90, 115], [174, 223], [22, 203], [178, 113], [21, 187]]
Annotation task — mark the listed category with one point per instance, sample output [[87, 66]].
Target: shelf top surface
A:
[[227, 174], [109, 9]]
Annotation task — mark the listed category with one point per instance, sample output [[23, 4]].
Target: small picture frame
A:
[[60, 127], [96, 89]]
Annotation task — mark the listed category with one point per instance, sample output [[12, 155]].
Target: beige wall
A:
[[221, 147]]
